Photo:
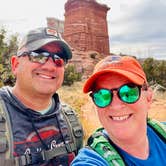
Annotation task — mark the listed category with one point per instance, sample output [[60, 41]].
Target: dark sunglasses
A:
[[42, 56], [128, 93]]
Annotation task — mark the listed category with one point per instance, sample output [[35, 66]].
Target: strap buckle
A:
[[2, 119], [68, 148], [30, 159], [23, 160]]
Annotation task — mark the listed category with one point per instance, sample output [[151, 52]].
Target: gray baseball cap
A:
[[39, 37]]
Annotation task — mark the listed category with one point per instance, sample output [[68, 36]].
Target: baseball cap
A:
[[123, 65], [39, 37]]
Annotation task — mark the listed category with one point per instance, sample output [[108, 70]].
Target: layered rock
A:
[[85, 26]]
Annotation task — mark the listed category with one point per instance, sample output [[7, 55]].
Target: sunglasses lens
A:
[[39, 57], [102, 98], [59, 62], [43, 57], [129, 93]]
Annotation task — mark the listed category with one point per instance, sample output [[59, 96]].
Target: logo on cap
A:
[[110, 61], [51, 32], [114, 59]]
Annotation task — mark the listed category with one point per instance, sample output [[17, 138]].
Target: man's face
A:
[[121, 120], [35, 77]]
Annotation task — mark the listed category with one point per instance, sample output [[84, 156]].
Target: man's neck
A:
[[32, 101]]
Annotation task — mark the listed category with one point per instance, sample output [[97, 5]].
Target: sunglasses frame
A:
[[118, 93], [55, 56]]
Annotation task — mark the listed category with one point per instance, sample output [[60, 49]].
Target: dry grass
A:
[[79, 101], [74, 96], [158, 108]]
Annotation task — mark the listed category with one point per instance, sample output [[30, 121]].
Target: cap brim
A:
[[131, 76], [39, 43]]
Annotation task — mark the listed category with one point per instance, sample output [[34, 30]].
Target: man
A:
[[40, 133], [120, 91]]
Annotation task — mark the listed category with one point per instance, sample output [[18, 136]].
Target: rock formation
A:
[[85, 26]]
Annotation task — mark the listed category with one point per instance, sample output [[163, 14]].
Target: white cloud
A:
[[23, 15], [140, 29], [135, 26]]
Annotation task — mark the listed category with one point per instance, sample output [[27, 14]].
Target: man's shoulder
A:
[[5, 90]]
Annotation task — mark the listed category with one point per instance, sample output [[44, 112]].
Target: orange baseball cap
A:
[[123, 65]]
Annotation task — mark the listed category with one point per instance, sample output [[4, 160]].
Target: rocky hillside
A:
[[85, 61]]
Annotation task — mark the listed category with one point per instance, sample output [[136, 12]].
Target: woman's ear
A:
[[149, 96], [14, 64]]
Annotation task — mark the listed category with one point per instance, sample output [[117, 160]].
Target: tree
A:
[[155, 71], [71, 75], [7, 48]]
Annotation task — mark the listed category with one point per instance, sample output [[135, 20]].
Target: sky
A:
[[136, 27]]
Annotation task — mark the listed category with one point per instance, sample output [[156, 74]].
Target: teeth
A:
[[119, 118], [45, 76]]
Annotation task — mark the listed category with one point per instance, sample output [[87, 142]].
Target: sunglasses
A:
[[128, 93], [42, 56]]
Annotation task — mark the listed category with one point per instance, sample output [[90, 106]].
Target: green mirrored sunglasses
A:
[[128, 93]]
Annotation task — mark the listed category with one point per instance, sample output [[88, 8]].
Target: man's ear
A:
[[14, 64]]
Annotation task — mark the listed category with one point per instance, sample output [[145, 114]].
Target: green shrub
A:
[[7, 48], [71, 75], [155, 71]]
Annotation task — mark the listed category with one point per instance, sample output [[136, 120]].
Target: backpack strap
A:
[[75, 127], [76, 133], [45, 155], [6, 143], [3, 140], [158, 127], [99, 143]]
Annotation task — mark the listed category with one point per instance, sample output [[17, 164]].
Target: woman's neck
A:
[[138, 148]]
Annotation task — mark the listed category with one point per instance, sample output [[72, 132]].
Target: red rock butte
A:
[[85, 26]]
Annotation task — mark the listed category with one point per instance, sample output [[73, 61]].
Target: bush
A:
[[71, 75], [155, 71], [93, 54], [7, 48]]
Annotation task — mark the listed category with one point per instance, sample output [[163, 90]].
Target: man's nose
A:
[[49, 63]]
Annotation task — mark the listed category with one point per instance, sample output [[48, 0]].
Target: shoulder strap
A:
[[6, 143], [76, 132], [6, 139], [75, 127], [99, 143], [159, 127]]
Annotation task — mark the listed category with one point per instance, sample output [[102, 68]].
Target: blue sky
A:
[[136, 27]]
